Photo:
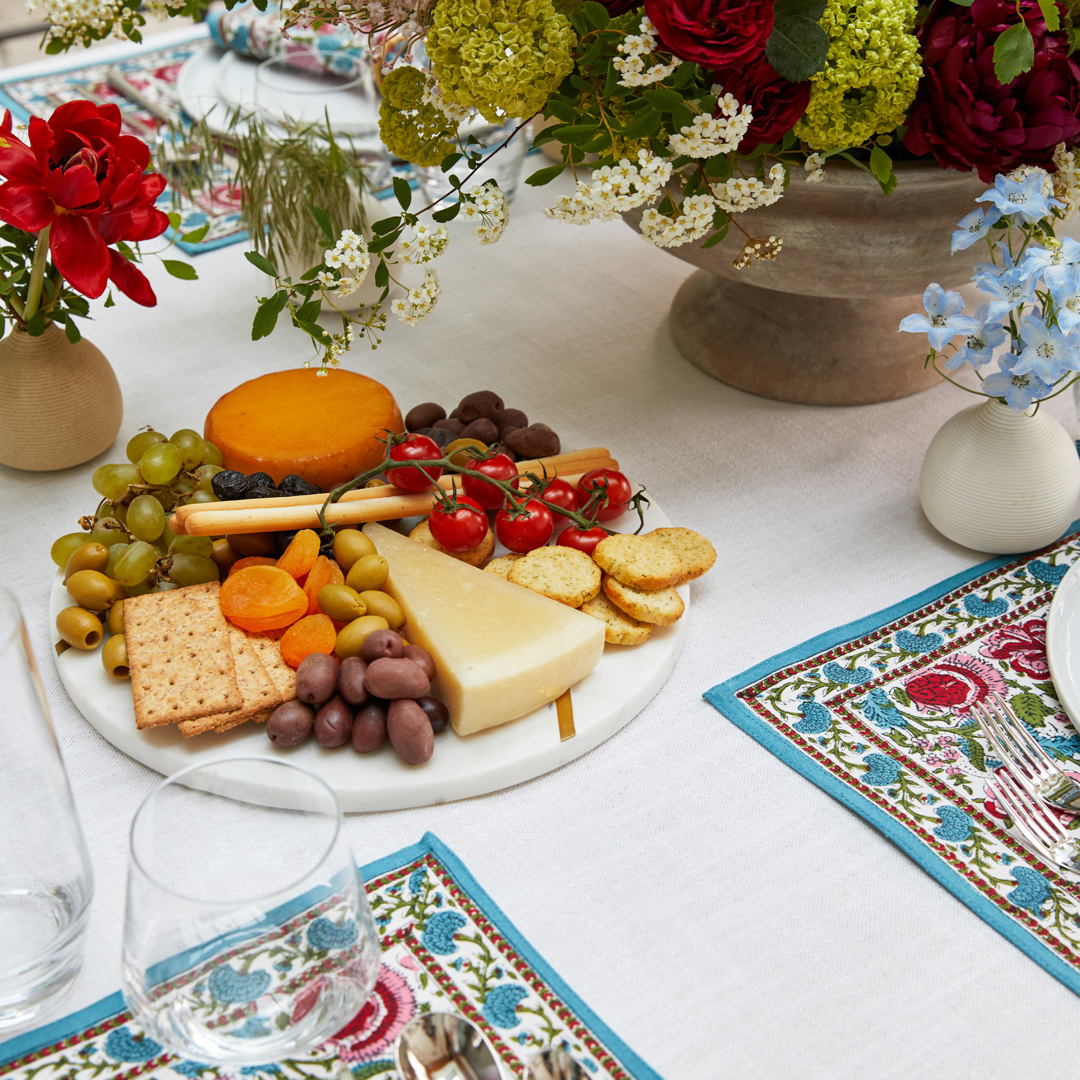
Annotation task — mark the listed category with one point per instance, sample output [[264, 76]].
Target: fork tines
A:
[[1041, 829]]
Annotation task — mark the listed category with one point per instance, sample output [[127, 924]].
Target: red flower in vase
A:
[[1023, 646], [776, 103], [88, 184], [713, 33]]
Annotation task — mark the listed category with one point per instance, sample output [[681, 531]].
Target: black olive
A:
[[262, 491], [441, 437], [230, 484], [261, 479], [297, 485], [436, 711]]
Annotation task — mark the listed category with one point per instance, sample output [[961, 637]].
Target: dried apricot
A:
[[311, 634], [324, 572], [251, 560], [299, 557], [262, 598]]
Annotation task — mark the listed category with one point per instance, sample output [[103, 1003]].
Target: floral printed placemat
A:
[[446, 947], [874, 713]]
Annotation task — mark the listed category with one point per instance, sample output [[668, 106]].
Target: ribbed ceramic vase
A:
[[1000, 481], [60, 403]]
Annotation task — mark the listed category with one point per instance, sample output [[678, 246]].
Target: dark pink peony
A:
[[1023, 646], [713, 33], [955, 683], [777, 104], [966, 118]]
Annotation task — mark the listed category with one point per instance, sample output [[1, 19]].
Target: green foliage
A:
[[798, 45], [1014, 53], [411, 128]]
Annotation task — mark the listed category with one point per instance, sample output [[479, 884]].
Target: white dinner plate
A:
[[621, 684], [1063, 642]]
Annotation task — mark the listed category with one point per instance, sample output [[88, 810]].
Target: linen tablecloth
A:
[[723, 915]]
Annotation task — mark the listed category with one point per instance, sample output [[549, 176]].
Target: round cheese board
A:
[[622, 683]]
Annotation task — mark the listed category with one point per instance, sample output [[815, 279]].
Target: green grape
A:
[[184, 486], [204, 476], [211, 454], [141, 443], [167, 535], [191, 446], [116, 510], [160, 463], [193, 569], [114, 554], [165, 586], [138, 590], [160, 548], [166, 498], [146, 518], [112, 480], [100, 477], [192, 545], [203, 497], [66, 546], [135, 564], [103, 533]]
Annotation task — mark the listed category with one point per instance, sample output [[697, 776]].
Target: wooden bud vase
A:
[[60, 404]]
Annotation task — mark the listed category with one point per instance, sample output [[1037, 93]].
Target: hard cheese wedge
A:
[[500, 651]]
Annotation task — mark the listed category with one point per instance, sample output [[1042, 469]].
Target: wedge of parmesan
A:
[[500, 651]]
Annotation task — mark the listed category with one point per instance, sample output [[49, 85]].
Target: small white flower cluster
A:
[[339, 344], [1067, 178], [635, 48], [748, 193], [712, 135], [814, 166], [349, 256], [613, 189], [692, 222], [418, 302], [759, 247], [1022, 172], [66, 17], [489, 208], [424, 244], [456, 114]]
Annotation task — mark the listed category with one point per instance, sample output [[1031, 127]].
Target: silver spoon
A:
[[444, 1046], [554, 1064]]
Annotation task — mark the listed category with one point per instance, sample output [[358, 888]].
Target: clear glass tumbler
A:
[[46, 882], [247, 933], [502, 154]]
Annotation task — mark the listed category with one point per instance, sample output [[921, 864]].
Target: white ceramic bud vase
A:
[[1000, 481]]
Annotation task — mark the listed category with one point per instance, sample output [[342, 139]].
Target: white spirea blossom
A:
[[692, 222], [748, 193], [613, 189], [814, 166], [1022, 172], [712, 135], [419, 301], [456, 114], [424, 244], [349, 256], [488, 208], [68, 16], [758, 247], [635, 48], [1067, 178]]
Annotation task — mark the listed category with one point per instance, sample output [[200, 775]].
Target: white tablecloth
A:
[[722, 914]]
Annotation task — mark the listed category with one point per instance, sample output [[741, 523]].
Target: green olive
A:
[[351, 638], [377, 481], [114, 657], [247, 544], [90, 556], [384, 605], [92, 589], [369, 572], [115, 619], [351, 545], [79, 628], [223, 555], [341, 603], [455, 451]]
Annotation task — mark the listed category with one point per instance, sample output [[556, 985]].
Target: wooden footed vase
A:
[[819, 325]]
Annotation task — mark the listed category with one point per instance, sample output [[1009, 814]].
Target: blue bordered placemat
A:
[[446, 947]]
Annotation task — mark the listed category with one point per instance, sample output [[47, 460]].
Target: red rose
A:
[[966, 118], [713, 33], [620, 7], [776, 103], [87, 183]]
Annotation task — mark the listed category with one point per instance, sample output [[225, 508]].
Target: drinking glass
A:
[[499, 162], [334, 89], [45, 878], [247, 933]]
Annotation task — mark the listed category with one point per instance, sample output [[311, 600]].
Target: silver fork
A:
[[1033, 769], [1044, 833]]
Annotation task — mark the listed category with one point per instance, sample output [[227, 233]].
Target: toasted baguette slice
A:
[[695, 552], [661, 607], [619, 628], [501, 565], [638, 561], [560, 573], [477, 557]]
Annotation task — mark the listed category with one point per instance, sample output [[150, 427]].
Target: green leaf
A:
[[180, 269], [1014, 53], [381, 243], [323, 220], [544, 176], [175, 220], [682, 117], [386, 225], [575, 133], [403, 192], [261, 262], [596, 14], [447, 213], [310, 310], [72, 332], [1050, 15], [591, 54], [561, 109], [901, 696], [36, 326], [314, 330], [880, 165], [662, 98], [196, 235], [976, 755], [1030, 708], [109, 301], [449, 161], [1074, 39], [798, 46], [266, 317], [646, 122], [382, 275]]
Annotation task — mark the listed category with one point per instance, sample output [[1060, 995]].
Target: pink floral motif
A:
[[372, 1031], [1023, 646], [957, 681]]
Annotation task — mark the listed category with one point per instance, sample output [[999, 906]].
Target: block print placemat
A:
[[874, 713], [446, 948]]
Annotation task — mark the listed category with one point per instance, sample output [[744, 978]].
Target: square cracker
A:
[[269, 652], [179, 655], [256, 687]]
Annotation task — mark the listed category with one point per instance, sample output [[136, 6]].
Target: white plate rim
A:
[[1064, 613]]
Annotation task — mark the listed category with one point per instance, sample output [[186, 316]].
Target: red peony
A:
[[713, 33], [777, 104], [87, 184], [620, 7], [1023, 646], [966, 118]]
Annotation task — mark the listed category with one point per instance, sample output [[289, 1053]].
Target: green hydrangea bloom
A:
[[870, 76], [409, 127], [500, 56]]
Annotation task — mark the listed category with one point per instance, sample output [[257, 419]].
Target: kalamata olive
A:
[[341, 603], [351, 545], [369, 727], [350, 680], [81, 628], [368, 572], [248, 544], [437, 712], [290, 724], [297, 485], [380, 603], [441, 437], [482, 403], [115, 619], [536, 441], [410, 731], [422, 657], [88, 557], [229, 484], [383, 644], [423, 431], [351, 638], [511, 418], [316, 678], [482, 429], [391, 679], [333, 723], [92, 589], [455, 414], [260, 479], [456, 426], [425, 415], [263, 491], [114, 657], [504, 449]]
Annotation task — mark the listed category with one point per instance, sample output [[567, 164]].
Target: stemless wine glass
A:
[[247, 934]]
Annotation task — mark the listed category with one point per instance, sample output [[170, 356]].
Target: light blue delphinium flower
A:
[[1019, 391], [1048, 353], [1052, 263], [1007, 288], [1023, 198], [1066, 294], [944, 317], [974, 227], [978, 348]]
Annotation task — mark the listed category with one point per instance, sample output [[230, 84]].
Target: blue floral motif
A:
[[816, 718], [439, 935], [416, 880], [189, 1068], [879, 709], [1043, 571], [121, 1045], [254, 1027], [323, 934], [955, 825], [978, 608], [1032, 889], [883, 770], [500, 1007], [228, 986], [837, 673], [906, 641]]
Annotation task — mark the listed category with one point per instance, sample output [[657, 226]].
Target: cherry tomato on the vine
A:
[[615, 502], [531, 530], [499, 467], [415, 448], [582, 539], [558, 493], [459, 528]]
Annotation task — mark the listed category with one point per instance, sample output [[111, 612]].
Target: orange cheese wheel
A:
[[324, 428]]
